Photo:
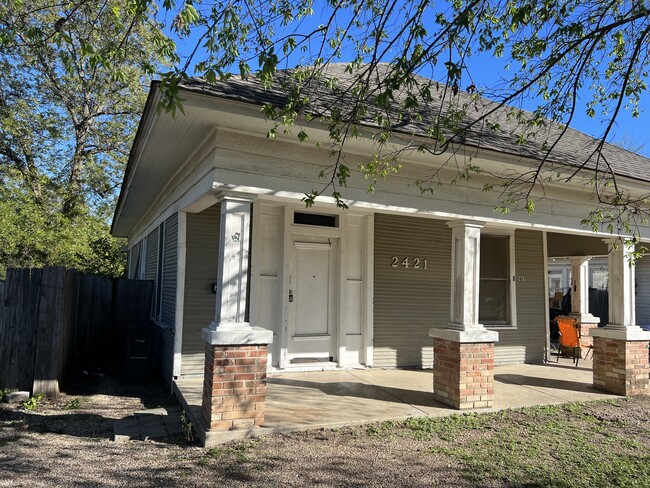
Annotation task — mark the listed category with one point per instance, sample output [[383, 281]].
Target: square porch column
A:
[[580, 300], [463, 352], [234, 385], [621, 363]]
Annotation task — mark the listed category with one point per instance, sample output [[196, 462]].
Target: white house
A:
[[213, 212]]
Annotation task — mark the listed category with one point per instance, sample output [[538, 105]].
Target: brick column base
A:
[[234, 386], [463, 373], [621, 367]]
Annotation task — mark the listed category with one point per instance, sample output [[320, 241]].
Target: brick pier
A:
[[621, 366], [234, 386], [463, 373]]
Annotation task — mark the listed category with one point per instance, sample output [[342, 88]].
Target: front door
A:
[[312, 308]]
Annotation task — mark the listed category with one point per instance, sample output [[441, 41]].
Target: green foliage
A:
[[33, 235], [74, 404], [73, 81], [3, 394], [567, 55], [72, 77], [32, 402]]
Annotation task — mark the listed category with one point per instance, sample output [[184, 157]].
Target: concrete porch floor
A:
[[327, 399]]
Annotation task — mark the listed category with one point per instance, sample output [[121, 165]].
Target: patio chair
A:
[[569, 337]]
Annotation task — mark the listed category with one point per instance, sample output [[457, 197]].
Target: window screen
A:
[[494, 290]]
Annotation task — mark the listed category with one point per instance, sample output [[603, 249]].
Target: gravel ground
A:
[[67, 442]]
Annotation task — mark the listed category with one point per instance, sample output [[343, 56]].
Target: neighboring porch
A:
[[328, 399]]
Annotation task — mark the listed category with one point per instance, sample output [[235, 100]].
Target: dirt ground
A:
[[67, 442]]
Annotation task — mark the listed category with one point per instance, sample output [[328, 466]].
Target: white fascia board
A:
[[149, 118]]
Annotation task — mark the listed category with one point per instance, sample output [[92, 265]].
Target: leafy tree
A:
[[73, 79], [564, 55]]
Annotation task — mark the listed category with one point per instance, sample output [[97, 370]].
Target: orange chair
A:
[[569, 337]]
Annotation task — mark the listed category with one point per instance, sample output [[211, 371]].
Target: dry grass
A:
[[68, 443]]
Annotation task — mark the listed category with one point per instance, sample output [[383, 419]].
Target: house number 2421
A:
[[415, 263]]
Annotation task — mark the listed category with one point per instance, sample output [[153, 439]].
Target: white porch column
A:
[[232, 277], [621, 348], [622, 315], [465, 275], [234, 382], [580, 290], [463, 353]]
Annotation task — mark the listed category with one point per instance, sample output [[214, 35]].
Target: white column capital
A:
[[470, 224]]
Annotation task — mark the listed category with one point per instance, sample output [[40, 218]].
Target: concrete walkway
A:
[[327, 399]]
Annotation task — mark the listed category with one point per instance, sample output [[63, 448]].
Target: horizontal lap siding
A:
[[202, 253], [528, 341], [169, 281], [134, 260], [407, 301]]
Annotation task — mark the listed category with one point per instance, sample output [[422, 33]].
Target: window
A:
[[320, 220], [494, 288]]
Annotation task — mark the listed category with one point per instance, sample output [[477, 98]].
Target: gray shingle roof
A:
[[574, 148]]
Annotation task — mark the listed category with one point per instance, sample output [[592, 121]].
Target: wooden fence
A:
[[53, 320]]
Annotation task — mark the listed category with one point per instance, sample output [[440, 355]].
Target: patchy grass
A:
[[557, 445], [599, 444]]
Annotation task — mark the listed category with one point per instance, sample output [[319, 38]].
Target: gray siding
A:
[[134, 260], [168, 308], [528, 341], [200, 272], [409, 301], [151, 266], [642, 292]]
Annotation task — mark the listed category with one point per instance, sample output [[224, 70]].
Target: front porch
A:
[[327, 399]]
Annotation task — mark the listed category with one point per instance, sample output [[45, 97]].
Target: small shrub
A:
[[73, 404], [32, 403], [4, 392]]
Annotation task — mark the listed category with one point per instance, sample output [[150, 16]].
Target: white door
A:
[[312, 301]]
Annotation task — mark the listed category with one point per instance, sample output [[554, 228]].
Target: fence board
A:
[[47, 360], [52, 320]]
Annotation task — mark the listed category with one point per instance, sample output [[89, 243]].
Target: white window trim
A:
[[510, 233]]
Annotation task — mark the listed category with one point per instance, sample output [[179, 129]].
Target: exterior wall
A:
[[642, 292], [353, 270], [165, 323], [409, 301], [267, 273], [169, 279], [151, 265], [527, 342], [134, 260], [200, 273]]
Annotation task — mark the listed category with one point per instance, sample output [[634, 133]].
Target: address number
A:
[[406, 263]]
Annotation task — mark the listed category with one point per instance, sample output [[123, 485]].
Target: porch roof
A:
[[328, 399]]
